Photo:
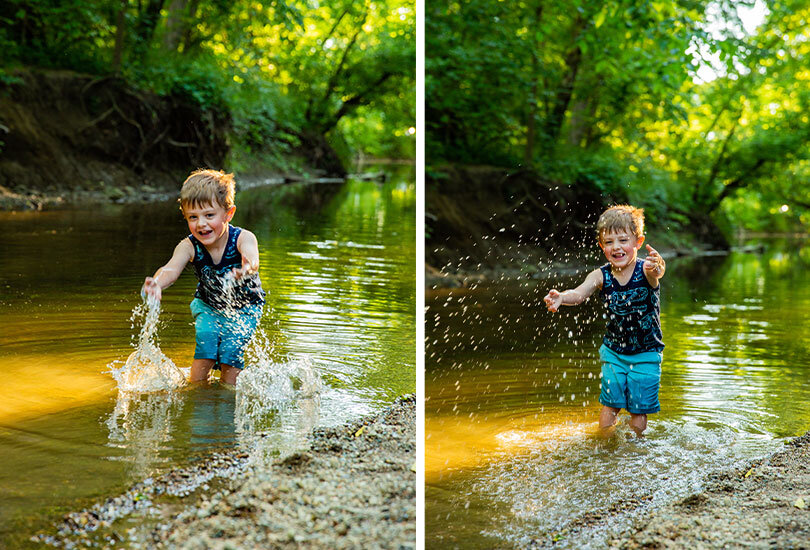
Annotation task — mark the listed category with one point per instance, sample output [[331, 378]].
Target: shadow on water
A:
[[512, 454], [340, 274]]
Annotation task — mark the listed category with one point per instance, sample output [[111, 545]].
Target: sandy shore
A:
[[353, 487]]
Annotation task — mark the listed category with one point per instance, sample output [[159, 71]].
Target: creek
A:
[[513, 453], [338, 265]]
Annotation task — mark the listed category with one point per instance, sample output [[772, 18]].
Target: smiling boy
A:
[[632, 348], [228, 302]]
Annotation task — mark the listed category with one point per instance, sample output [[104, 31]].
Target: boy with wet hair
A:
[[632, 348], [228, 302]]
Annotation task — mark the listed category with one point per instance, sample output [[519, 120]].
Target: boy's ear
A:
[[231, 212], [640, 242]]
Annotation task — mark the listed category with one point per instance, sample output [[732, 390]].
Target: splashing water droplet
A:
[[147, 369]]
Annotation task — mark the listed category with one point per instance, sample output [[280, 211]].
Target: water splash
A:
[[147, 369], [267, 390]]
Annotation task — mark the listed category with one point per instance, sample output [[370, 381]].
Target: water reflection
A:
[[511, 411]]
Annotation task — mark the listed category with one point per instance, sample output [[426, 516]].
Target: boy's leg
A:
[[229, 374], [613, 390], [207, 330], [639, 423], [644, 381], [235, 337], [608, 417], [200, 369]]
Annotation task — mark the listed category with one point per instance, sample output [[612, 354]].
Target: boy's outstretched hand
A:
[[246, 269], [553, 300], [654, 264], [152, 289]]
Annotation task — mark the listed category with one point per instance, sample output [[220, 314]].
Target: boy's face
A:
[[620, 247], [208, 222]]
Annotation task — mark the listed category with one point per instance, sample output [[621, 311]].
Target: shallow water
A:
[[339, 270], [512, 452]]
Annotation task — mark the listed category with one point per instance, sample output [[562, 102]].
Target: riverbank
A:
[[72, 138], [354, 486], [764, 505]]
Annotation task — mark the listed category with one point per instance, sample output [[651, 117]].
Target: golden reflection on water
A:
[[49, 382], [454, 443]]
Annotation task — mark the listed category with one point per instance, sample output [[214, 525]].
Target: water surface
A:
[[338, 264], [512, 452]]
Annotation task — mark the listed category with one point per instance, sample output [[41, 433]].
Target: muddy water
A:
[[511, 407], [338, 267]]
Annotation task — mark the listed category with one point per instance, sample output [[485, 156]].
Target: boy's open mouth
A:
[[206, 232]]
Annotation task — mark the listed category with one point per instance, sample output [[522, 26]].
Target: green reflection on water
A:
[[511, 399], [339, 266]]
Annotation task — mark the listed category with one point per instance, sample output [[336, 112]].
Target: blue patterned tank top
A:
[[633, 313], [211, 287]]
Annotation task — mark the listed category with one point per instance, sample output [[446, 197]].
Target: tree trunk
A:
[[146, 25], [531, 116], [120, 32], [563, 96], [578, 128], [175, 24], [188, 26]]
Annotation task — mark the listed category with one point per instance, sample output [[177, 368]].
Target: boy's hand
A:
[[152, 289], [246, 269], [654, 264], [553, 300]]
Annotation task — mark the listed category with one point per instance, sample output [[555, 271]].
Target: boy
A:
[[631, 351], [228, 302]]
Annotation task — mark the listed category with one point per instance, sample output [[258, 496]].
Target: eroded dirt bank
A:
[[482, 221], [66, 134]]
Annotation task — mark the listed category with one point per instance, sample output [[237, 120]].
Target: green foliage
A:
[[54, 33], [600, 171], [606, 95], [281, 68], [197, 81]]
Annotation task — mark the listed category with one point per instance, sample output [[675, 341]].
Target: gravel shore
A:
[[353, 487], [765, 505]]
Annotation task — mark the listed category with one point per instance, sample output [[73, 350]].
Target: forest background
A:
[[282, 79], [695, 109]]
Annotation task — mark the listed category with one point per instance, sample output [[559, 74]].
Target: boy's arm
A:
[[165, 276], [248, 247], [575, 296], [654, 266]]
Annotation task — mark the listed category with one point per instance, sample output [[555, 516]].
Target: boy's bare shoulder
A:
[[246, 236], [185, 247], [596, 277]]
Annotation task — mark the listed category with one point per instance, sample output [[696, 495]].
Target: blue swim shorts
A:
[[631, 382], [223, 337]]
